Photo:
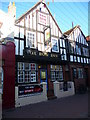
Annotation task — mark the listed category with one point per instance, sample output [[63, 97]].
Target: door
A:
[[43, 76]]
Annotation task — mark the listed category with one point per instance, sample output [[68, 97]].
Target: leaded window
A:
[[30, 39], [56, 73], [27, 72]]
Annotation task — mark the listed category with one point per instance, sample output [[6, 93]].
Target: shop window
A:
[[30, 39], [56, 73], [26, 72], [80, 73]]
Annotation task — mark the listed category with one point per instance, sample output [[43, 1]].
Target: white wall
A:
[[60, 92], [34, 98]]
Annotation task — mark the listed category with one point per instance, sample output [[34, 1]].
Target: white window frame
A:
[[30, 32], [57, 73], [30, 72]]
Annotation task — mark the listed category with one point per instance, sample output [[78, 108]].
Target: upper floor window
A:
[[30, 39], [62, 43], [85, 51], [63, 54]]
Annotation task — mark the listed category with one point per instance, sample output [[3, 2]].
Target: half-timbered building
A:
[[37, 47], [78, 57]]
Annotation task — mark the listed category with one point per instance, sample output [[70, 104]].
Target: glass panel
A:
[[80, 73], [33, 76], [16, 48], [27, 76], [71, 58], [30, 39], [57, 73], [21, 47]]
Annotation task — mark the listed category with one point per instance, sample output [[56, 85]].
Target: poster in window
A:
[[43, 75], [55, 45]]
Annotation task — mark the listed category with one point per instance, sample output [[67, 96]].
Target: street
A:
[[75, 106]]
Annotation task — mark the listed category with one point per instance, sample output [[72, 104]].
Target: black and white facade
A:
[[43, 53]]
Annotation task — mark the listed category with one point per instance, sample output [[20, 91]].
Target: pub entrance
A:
[[42, 69], [43, 76]]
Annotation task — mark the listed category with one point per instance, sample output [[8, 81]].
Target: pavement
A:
[[75, 106]]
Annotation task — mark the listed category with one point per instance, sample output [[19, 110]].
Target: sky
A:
[[65, 12]]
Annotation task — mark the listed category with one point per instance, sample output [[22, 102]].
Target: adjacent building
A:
[[78, 57]]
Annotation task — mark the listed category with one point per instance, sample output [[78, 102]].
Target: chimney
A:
[[12, 10]]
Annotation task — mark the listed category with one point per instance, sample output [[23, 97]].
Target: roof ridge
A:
[[70, 30]]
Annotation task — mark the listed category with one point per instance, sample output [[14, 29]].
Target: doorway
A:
[[43, 76]]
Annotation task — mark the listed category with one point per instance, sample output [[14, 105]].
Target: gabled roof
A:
[[21, 17], [69, 32]]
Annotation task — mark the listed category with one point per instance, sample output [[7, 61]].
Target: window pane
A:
[[31, 39], [71, 58], [57, 73], [80, 73]]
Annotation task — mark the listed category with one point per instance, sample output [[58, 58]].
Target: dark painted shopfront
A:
[[7, 81]]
